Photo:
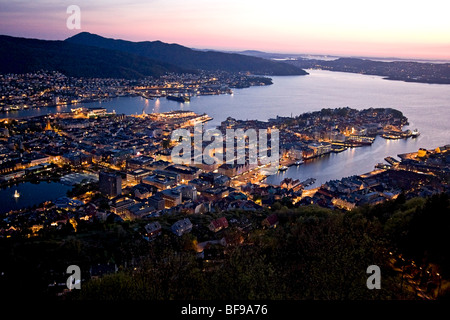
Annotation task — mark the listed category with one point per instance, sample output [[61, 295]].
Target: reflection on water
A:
[[30, 194], [157, 106], [146, 106]]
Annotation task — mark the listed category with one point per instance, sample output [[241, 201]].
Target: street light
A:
[[403, 271], [439, 287]]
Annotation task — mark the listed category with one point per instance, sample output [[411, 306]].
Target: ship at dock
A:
[[147, 95], [338, 148], [178, 98], [415, 133], [392, 136], [357, 141], [395, 135]]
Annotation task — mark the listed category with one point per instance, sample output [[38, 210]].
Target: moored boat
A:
[[178, 98], [415, 133]]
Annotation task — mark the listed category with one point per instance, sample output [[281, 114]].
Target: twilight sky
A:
[[390, 28]]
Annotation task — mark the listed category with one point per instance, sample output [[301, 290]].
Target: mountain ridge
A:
[[184, 57], [22, 55]]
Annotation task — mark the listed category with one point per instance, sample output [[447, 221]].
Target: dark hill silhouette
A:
[[187, 58], [21, 55]]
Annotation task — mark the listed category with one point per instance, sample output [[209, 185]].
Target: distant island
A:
[[408, 71]]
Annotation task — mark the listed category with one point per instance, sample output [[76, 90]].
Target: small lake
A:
[[30, 194]]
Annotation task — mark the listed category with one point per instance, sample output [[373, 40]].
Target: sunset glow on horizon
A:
[[403, 29]]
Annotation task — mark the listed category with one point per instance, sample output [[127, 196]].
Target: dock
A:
[[391, 160]]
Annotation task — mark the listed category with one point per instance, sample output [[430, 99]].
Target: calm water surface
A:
[[30, 194]]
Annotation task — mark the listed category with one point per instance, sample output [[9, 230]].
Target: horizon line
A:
[[242, 50]]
